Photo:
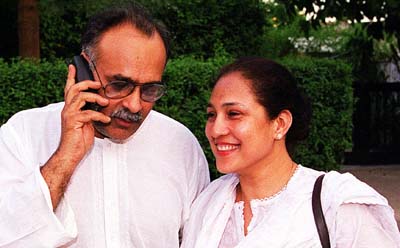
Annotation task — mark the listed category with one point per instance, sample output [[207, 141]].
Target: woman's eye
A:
[[210, 115], [233, 114]]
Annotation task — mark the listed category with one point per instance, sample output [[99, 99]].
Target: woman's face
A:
[[239, 131]]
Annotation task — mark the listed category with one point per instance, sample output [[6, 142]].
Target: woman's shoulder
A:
[[225, 184], [219, 192], [209, 204], [339, 188], [350, 189]]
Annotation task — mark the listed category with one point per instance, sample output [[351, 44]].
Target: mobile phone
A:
[[83, 72]]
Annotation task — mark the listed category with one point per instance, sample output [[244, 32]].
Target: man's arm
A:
[[57, 173], [27, 217]]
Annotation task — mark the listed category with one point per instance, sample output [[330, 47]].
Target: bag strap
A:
[[319, 214]]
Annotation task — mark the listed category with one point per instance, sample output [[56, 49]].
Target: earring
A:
[[279, 136]]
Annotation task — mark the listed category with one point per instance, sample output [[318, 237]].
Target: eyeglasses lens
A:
[[150, 92]]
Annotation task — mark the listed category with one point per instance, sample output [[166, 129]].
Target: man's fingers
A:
[[73, 88], [78, 101], [78, 89], [97, 116], [94, 97], [78, 120], [70, 79], [91, 115]]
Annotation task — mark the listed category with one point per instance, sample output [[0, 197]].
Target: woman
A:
[[255, 115]]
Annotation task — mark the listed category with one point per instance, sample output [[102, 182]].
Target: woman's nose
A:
[[217, 127]]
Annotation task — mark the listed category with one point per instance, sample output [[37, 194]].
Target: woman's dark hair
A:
[[131, 13], [276, 89]]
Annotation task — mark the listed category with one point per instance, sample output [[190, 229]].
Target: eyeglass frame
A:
[[104, 86]]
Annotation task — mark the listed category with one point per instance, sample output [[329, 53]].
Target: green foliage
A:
[[386, 49], [326, 40], [277, 39], [387, 10], [197, 27], [386, 16], [358, 52], [62, 23], [27, 84], [189, 83], [328, 83]]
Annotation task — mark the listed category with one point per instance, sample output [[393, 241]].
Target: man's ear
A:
[[282, 124], [83, 54]]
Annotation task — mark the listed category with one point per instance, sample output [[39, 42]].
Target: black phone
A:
[[83, 72]]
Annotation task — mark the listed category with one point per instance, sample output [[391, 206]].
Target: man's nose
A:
[[133, 102]]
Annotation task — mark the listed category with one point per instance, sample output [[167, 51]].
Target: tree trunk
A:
[[28, 28]]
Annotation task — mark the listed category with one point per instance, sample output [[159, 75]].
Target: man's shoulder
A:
[[164, 126], [166, 121], [51, 108], [37, 114]]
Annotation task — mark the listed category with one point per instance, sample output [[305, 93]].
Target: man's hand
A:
[[77, 134]]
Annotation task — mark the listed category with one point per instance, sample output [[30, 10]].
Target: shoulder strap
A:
[[319, 214]]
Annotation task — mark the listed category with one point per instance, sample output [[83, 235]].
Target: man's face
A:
[[124, 53]]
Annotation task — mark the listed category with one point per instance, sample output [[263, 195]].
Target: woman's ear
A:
[[282, 124]]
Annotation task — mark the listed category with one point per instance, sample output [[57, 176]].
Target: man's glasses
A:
[[149, 92]]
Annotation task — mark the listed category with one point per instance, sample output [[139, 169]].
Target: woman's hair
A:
[[133, 14], [276, 89]]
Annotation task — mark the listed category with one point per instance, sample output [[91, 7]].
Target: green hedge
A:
[[328, 83], [25, 84], [195, 26], [189, 86]]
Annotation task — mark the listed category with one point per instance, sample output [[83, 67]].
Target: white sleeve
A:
[[198, 177], [361, 225], [27, 217]]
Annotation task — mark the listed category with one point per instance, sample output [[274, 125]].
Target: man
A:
[[121, 175]]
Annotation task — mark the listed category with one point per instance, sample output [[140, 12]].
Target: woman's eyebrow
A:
[[226, 104]]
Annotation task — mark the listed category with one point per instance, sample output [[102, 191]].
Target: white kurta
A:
[[135, 194], [286, 220]]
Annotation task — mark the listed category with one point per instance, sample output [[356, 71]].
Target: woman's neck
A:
[[263, 184], [266, 181]]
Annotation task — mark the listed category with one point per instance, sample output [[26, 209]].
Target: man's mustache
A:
[[127, 115]]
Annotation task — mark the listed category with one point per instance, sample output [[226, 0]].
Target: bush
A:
[[62, 23], [26, 84], [279, 32], [197, 27], [328, 83], [189, 84]]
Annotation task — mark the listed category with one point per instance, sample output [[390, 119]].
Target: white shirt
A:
[[356, 215], [135, 194]]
